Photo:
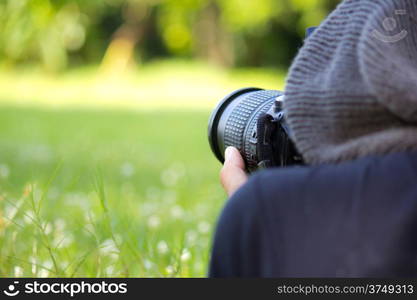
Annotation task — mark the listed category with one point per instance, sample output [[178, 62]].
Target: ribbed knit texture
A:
[[351, 93]]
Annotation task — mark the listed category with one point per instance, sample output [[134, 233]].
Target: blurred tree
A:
[[115, 33], [134, 21]]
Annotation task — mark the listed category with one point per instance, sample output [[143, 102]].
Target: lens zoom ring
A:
[[251, 158], [237, 122]]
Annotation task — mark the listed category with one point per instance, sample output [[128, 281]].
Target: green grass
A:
[[160, 85], [129, 189], [87, 193]]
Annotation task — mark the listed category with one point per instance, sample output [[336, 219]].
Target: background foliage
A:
[[65, 33]]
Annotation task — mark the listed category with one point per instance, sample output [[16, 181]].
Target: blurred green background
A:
[[105, 169]]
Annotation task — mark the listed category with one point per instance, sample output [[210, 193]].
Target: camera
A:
[[252, 120]]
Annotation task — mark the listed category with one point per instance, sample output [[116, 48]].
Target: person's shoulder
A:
[[337, 177]]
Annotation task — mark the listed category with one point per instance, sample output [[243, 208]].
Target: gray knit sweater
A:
[[352, 89]]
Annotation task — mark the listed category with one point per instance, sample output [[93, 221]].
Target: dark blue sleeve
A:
[[357, 219], [240, 239]]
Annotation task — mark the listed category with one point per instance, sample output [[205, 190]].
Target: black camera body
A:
[[252, 120]]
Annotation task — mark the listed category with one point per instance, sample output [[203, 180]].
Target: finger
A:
[[233, 158], [233, 174], [232, 180]]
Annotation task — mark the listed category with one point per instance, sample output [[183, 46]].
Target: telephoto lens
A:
[[252, 120]]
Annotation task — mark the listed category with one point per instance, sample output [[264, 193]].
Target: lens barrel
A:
[[234, 123]]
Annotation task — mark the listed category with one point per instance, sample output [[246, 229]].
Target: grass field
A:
[[110, 186]]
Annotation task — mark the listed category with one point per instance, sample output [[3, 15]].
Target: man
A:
[[351, 105]]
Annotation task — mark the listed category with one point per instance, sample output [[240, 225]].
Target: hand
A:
[[233, 175]]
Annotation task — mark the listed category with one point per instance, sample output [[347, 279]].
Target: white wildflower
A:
[[28, 217], [108, 247], [147, 264], [170, 270], [191, 236], [43, 273], [171, 175], [177, 212], [60, 225], [18, 271], [185, 255], [47, 228], [127, 169], [11, 211], [162, 247], [154, 221], [204, 227], [48, 264], [4, 171], [110, 270]]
